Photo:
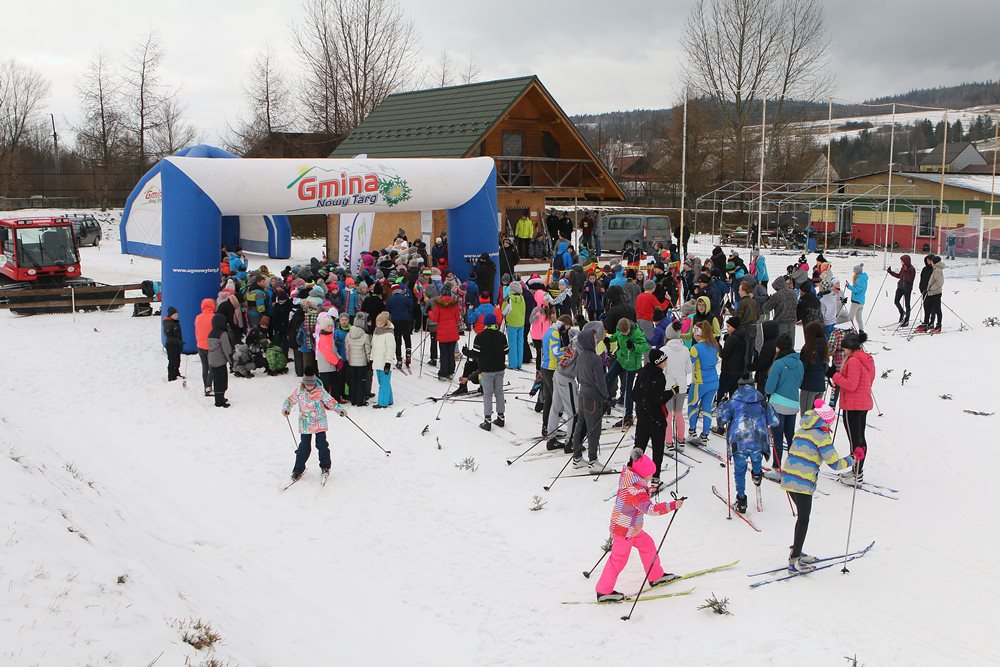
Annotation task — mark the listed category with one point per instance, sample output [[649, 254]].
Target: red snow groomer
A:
[[40, 270]]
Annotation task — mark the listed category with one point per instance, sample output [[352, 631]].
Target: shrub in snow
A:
[[539, 503], [718, 606], [198, 634], [468, 463]]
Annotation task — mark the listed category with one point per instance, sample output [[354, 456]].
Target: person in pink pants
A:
[[631, 505]]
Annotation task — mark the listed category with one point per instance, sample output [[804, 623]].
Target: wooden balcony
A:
[[557, 175]]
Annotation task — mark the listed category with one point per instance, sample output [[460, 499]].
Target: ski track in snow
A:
[[408, 560]]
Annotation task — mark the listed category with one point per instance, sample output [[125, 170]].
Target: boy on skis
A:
[[748, 418], [651, 398], [313, 401], [489, 350], [631, 504]]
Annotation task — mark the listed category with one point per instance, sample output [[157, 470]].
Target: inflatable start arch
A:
[[198, 194]]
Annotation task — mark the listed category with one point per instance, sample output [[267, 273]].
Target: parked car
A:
[[87, 230], [644, 229]]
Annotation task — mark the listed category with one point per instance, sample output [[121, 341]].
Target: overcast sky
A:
[[592, 55]]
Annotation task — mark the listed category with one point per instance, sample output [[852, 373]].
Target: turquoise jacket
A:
[[784, 380], [859, 288]]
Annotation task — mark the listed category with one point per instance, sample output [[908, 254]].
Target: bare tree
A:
[[269, 99], [22, 91], [144, 94], [99, 135], [171, 133], [355, 52], [444, 73], [739, 51], [471, 73]]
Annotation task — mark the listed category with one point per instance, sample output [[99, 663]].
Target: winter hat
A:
[[309, 376], [396, 287], [171, 311], [505, 278], [324, 322], [648, 286], [644, 466], [317, 292], [361, 320], [734, 322], [657, 356], [515, 288], [484, 297], [673, 331], [489, 320], [859, 268], [382, 319], [824, 411], [281, 295], [436, 272], [630, 274], [854, 340], [349, 281]]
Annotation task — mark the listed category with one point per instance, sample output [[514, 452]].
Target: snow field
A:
[[408, 560]]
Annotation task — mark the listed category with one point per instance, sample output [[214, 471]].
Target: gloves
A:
[[340, 364], [387, 368], [465, 350], [630, 345], [607, 341], [859, 454], [831, 371]]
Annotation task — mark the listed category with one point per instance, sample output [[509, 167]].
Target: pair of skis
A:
[[689, 575], [868, 487], [829, 561], [745, 518], [322, 480]]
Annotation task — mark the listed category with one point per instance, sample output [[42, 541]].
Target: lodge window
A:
[[845, 219], [515, 174], [550, 147], [926, 217]]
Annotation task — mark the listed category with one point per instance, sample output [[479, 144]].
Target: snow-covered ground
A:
[[131, 507]]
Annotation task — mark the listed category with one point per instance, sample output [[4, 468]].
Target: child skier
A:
[[747, 418], [489, 348], [651, 399], [313, 401], [220, 354], [812, 445], [631, 504], [174, 344]]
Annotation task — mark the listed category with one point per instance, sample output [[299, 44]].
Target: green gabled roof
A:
[[440, 122]]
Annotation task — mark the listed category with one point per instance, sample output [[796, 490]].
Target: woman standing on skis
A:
[[704, 379], [855, 380], [631, 503]]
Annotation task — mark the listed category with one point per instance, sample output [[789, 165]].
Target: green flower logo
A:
[[394, 190]]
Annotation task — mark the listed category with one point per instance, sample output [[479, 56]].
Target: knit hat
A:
[[397, 287], [859, 268], [317, 292], [853, 340], [489, 320], [824, 411], [361, 320], [484, 297], [644, 466], [734, 322], [657, 356], [515, 288], [171, 311], [309, 376], [673, 332], [382, 319]]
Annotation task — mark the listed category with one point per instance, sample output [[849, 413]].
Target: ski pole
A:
[[650, 568], [446, 392], [877, 295], [387, 452], [184, 378], [876, 405], [778, 466], [539, 439], [556, 478], [292, 431], [956, 314], [729, 497], [850, 522], [620, 441], [599, 561]]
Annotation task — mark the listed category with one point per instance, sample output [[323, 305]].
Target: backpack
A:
[[277, 362], [557, 262]]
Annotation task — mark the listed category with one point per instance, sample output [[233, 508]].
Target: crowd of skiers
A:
[[677, 344]]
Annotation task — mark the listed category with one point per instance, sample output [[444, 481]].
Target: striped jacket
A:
[[812, 445], [632, 503]]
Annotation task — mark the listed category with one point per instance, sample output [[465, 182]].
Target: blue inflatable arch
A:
[[141, 228], [199, 193]]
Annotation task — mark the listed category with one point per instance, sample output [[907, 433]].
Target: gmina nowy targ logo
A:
[[350, 189]]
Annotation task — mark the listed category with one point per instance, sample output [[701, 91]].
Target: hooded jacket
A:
[[630, 358], [782, 303], [446, 314], [651, 393], [617, 308], [860, 287], [678, 368], [489, 348], [936, 283], [811, 446], [486, 274], [172, 332], [734, 353], [203, 323], [590, 371], [383, 347], [855, 381], [906, 274], [784, 380], [632, 503], [220, 349], [513, 306], [358, 345], [313, 404], [925, 275], [762, 364], [748, 417]]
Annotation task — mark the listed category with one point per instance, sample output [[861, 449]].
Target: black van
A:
[[87, 229]]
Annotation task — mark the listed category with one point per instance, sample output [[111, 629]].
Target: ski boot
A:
[[409, 358], [399, 365], [578, 462], [553, 444], [626, 422], [922, 328], [463, 388], [665, 579], [613, 596], [756, 478], [703, 438], [432, 362], [499, 420], [797, 566], [486, 425], [741, 504]]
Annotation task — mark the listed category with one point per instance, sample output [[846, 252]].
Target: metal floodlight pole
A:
[[944, 154], [829, 142], [888, 191], [684, 146], [760, 192], [993, 189]]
